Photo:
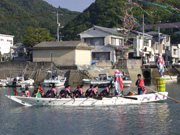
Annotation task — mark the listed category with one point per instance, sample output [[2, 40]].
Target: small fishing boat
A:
[[106, 101], [3, 82], [58, 81], [168, 77], [53, 78], [19, 81], [103, 80]]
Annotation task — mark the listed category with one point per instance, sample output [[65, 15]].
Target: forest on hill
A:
[[111, 13], [16, 16]]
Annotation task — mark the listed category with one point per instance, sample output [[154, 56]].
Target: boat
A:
[[103, 80], [168, 77], [20, 81], [57, 80], [106, 101], [3, 82]]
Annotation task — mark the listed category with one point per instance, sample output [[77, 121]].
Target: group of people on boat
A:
[[92, 91]]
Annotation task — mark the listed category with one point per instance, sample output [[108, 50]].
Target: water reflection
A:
[[152, 118]]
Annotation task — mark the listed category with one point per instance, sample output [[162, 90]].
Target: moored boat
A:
[[58, 81], [3, 82], [106, 101], [19, 81], [103, 80], [168, 77]]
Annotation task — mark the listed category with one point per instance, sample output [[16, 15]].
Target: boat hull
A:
[[126, 83], [57, 82], [109, 101]]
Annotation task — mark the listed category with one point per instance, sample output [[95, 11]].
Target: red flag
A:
[[120, 83]]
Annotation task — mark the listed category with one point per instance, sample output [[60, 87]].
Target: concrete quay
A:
[[38, 70]]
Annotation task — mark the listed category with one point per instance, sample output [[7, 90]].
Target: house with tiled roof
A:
[[63, 53], [109, 43]]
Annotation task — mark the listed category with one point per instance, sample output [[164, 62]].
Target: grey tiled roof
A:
[[119, 32], [62, 44], [163, 25]]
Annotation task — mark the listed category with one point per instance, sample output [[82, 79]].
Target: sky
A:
[[73, 5]]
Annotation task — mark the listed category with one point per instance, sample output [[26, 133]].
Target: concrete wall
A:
[[13, 69], [60, 57], [83, 57], [131, 67], [102, 64]]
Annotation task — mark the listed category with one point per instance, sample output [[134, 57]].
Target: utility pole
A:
[[58, 26], [51, 65], [159, 37], [142, 43]]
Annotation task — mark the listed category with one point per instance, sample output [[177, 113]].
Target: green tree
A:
[[34, 36]]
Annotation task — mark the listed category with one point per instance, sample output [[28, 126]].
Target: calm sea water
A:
[[149, 119]]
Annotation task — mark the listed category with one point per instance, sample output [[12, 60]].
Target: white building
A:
[[104, 42], [143, 43], [175, 53], [6, 42], [161, 45]]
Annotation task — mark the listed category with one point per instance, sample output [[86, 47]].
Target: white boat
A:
[[58, 81], [168, 77], [20, 81], [103, 80], [3, 82], [106, 101]]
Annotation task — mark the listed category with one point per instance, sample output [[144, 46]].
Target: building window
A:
[[2, 40], [10, 41], [116, 41], [174, 51], [94, 41], [101, 56], [146, 42], [156, 46], [164, 47]]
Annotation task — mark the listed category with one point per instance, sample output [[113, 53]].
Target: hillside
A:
[[17, 15], [110, 14]]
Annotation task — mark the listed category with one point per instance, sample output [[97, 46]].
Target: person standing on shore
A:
[[161, 65]]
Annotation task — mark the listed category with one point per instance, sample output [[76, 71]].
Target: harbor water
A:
[[160, 118]]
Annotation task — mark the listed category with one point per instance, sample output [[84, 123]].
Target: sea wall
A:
[[132, 67], [34, 70]]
